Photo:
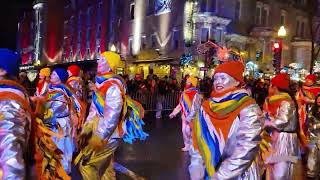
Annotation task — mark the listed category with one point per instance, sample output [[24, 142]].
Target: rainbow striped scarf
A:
[[273, 102], [98, 96], [132, 111], [211, 134], [186, 100]]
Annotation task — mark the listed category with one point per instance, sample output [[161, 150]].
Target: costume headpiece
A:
[[281, 81], [74, 70], [45, 72], [112, 58], [62, 73]]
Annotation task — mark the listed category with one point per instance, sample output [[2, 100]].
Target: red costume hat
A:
[[311, 77], [234, 69], [281, 81], [74, 70]]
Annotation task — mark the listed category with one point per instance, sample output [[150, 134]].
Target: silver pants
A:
[[280, 171], [313, 167]]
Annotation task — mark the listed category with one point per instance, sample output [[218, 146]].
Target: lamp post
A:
[[277, 49]]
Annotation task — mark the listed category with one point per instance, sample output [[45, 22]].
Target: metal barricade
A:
[[149, 100]]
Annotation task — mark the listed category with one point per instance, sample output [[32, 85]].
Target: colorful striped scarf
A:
[[132, 111], [186, 100], [210, 135], [272, 103]]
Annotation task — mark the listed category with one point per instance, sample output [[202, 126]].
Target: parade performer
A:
[[305, 99], [61, 107], [189, 97], [15, 117], [75, 81], [313, 170], [44, 79], [112, 116], [226, 130], [282, 123]]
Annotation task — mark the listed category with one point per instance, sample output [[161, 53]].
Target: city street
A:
[[160, 156]]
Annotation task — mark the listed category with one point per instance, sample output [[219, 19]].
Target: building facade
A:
[[152, 35]]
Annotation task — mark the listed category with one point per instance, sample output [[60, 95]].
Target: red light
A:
[[276, 45]]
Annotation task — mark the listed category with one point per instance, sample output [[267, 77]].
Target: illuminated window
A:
[[204, 35], [132, 11]]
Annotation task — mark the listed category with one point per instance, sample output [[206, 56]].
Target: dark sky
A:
[[10, 12]]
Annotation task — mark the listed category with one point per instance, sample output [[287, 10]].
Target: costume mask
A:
[[223, 82], [103, 66], [54, 78]]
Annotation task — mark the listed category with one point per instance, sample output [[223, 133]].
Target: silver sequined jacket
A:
[[15, 125], [239, 158], [108, 123], [285, 141]]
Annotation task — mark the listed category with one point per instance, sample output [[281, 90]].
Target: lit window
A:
[[132, 11]]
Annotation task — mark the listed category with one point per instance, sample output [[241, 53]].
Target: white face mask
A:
[[223, 82], [103, 66], [54, 78]]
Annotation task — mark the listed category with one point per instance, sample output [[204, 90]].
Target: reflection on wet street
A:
[[160, 157]]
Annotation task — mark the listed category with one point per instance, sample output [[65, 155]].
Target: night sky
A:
[[10, 12]]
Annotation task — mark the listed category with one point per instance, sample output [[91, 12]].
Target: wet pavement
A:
[[160, 156]]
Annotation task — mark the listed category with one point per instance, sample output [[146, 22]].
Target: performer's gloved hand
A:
[[95, 142], [171, 116]]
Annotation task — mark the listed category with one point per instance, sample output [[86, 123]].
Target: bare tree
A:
[[312, 7]]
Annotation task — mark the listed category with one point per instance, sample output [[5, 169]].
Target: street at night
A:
[[160, 89]]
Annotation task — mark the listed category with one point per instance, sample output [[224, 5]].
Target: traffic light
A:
[[277, 50]]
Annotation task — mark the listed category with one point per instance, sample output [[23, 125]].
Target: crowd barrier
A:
[[155, 101]]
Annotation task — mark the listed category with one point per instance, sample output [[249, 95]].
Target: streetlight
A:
[[282, 32], [113, 48]]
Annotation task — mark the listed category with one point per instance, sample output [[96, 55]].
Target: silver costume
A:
[[285, 147], [99, 164], [313, 168], [14, 135], [58, 113], [239, 158]]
